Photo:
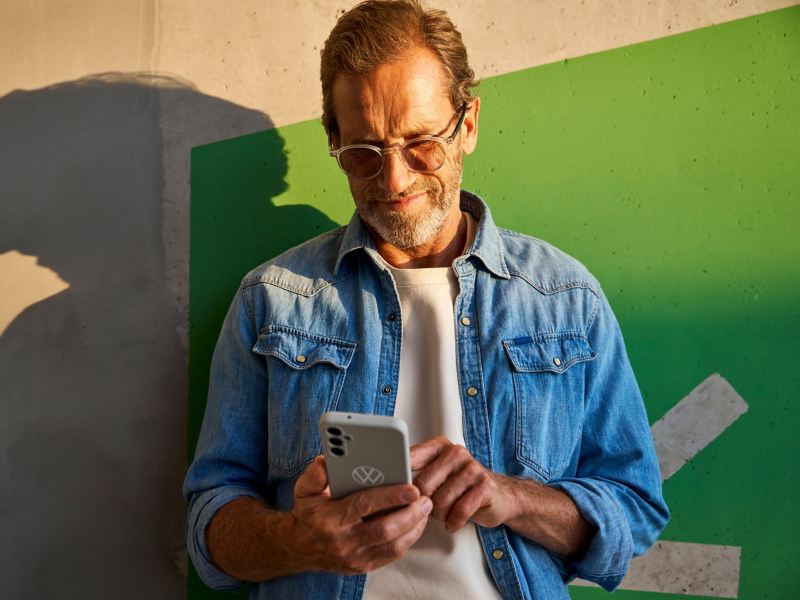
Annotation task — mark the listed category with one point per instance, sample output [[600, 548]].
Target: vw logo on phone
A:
[[366, 475]]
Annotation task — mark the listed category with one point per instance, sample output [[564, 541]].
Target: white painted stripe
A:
[[695, 422], [686, 569], [682, 567]]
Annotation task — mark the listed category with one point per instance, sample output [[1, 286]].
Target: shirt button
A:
[[391, 317], [465, 321], [498, 554], [556, 361], [471, 391], [300, 358], [386, 390]]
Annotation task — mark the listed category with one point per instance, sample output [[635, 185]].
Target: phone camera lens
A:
[[337, 451], [336, 441], [334, 431]]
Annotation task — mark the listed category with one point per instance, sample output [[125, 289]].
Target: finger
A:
[[459, 483], [313, 481], [388, 527], [399, 546], [466, 508], [450, 461], [360, 505], [422, 454]]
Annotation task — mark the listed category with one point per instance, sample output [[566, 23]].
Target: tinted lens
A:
[[360, 162], [424, 155]]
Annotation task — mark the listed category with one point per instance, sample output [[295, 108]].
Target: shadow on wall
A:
[[94, 181]]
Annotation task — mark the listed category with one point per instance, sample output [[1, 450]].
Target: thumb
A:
[[313, 481]]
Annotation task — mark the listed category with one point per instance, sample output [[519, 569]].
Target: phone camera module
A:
[[336, 451], [334, 431], [336, 441]]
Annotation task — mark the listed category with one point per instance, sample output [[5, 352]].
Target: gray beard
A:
[[407, 231]]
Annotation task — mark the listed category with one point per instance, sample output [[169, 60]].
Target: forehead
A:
[[399, 98]]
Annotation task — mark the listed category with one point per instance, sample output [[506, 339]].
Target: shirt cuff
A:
[[609, 554], [202, 509]]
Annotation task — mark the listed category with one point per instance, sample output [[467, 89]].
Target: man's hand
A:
[[337, 535], [464, 490], [461, 488], [250, 541]]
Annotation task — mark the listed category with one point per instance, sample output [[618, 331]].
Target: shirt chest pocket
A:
[[306, 372], [548, 375]]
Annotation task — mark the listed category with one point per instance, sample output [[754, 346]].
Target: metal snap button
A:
[[556, 361], [498, 554], [300, 358], [465, 321], [386, 390], [471, 391]]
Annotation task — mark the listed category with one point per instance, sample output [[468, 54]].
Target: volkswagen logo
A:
[[366, 475]]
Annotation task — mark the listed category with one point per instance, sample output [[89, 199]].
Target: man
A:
[[534, 462]]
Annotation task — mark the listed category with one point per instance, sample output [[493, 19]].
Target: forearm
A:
[[547, 516], [253, 542]]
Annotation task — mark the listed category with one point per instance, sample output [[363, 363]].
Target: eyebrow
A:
[[415, 131]]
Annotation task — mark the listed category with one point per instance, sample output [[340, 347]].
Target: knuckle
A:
[[397, 548], [476, 471], [337, 549], [385, 530], [363, 504]]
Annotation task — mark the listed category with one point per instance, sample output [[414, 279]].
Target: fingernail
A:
[[427, 505], [409, 496]]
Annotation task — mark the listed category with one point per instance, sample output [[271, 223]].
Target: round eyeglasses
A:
[[423, 154]]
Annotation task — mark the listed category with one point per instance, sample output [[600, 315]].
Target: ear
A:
[[470, 127]]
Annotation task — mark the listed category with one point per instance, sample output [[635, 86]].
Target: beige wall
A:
[[100, 103]]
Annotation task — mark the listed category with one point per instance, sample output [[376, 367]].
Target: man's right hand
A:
[[338, 536]]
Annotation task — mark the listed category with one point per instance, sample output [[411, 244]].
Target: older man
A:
[[533, 459]]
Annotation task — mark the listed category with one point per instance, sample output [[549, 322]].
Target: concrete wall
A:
[[100, 106]]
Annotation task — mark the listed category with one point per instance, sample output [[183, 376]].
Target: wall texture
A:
[[666, 167]]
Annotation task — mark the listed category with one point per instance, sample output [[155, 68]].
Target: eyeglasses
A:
[[423, 154]]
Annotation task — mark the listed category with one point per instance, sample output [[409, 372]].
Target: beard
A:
[[412, 228]]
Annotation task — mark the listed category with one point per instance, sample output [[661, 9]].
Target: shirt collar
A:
[[486, 246]]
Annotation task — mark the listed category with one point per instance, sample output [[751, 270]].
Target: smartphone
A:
[[364, 451]]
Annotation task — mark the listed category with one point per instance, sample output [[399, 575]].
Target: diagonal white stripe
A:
[[695, 422], [683, 568]]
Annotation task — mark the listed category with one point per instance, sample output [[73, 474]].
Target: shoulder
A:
[[544, 266], [303, 269]]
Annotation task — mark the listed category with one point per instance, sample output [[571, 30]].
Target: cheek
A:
[[357, 188]]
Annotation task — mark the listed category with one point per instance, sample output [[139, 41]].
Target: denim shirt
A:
[[546, 388]]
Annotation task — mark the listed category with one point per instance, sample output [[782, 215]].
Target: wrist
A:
[[292, 546]]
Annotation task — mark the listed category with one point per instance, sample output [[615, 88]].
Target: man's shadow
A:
[[94, 182]]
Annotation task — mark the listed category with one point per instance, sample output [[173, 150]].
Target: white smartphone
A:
[[363, 451]]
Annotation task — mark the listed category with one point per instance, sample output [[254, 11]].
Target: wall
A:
[[100, 105]]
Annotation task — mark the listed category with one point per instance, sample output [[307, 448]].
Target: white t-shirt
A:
[[440, 564]]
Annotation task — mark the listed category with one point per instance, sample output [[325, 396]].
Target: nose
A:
[[395, 176]]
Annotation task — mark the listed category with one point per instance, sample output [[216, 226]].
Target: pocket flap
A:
[[301, 350], [554, 352]]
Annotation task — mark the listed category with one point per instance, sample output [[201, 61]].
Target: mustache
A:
[[380, 196]]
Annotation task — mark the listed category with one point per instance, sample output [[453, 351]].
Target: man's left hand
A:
[[461, 488]]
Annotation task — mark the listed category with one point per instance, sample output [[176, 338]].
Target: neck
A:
[[441, 252]]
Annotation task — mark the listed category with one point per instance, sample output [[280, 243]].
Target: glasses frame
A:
[[398, 148]]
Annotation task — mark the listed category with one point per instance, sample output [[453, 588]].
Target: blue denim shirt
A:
[[557, 400]]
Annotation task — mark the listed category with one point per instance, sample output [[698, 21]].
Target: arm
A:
[[233, 533], [252, 542], [593, 522], [463, 490]]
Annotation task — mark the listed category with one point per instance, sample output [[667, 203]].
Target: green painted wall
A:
[[671, 170]]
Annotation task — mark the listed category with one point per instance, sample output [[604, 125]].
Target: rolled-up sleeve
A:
[[617, 483], [231, 451]]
